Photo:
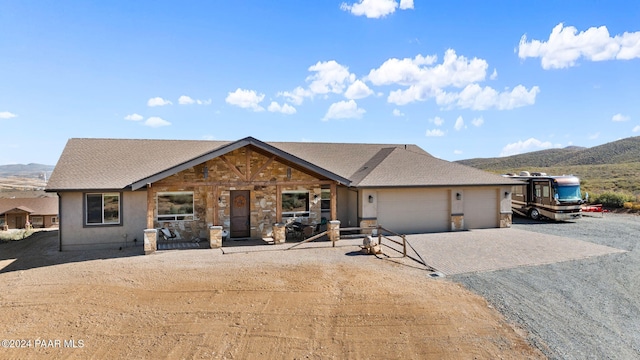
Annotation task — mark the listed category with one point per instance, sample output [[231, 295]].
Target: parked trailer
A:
[[541, 195]]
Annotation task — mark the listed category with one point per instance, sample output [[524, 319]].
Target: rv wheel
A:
[[534, 214]]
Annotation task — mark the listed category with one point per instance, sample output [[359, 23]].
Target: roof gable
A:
[[227, 148]]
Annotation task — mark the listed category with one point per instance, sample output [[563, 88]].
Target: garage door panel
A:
[[481, 209], [414, 211]]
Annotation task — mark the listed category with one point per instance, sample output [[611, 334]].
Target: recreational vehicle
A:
[[541, 195]]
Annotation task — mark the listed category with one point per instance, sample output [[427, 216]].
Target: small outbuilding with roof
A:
[[28, 212], [115, 192]]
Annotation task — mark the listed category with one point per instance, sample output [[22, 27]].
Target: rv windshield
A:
[[569, 192]]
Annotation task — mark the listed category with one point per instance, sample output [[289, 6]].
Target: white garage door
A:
[[411, 211], [481, 208]]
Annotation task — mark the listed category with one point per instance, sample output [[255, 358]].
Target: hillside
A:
[[28, 170], [24, 177], [617, 152], [613, 166]]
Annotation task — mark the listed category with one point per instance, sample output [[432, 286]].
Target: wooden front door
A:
[[20, 221], [240, 213]]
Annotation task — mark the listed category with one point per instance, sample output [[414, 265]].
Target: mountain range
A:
[[29, 170], [618, 152]]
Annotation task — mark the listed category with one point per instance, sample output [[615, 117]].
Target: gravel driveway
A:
[[580, 309]]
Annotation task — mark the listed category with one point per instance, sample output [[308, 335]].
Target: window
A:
[[325, 199], [545, 191], [174, 206], [295, 203], [102, 209], [54, 219], [37, 221]]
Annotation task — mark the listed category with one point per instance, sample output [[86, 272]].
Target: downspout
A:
[[59, 222]]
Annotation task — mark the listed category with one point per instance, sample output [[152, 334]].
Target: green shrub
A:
[[611, 199]]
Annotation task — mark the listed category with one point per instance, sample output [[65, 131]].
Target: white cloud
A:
[[208, 137], [285, 108], [477, 122], [155, 122], [565, 46], [185, 100], [437, 120], [158, 101], [494, 74], [246, 99], [296, 96], [397, 112], [358, 90], [457, 152], [424, 80], [435, 132], [344, 110], [594, 136], [329, 77], [376, 9], [459, 125], [478, 98], [620, 117], [454, 70], [134, 117], [528, 145], [406, 4], [636, 129], [7, 115]]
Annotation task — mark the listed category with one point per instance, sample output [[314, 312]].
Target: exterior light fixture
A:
[[506, 194], [370, 199], [458, 196], [205, 172]]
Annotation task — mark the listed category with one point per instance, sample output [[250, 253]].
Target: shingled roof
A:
[[33, 206], [92, 164]]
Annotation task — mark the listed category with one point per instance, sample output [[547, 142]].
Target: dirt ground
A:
[[319, 303]]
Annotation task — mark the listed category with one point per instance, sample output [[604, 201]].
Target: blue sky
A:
[[461, 79]]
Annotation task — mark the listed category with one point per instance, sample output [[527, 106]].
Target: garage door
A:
[[481, 208], [412, 211]]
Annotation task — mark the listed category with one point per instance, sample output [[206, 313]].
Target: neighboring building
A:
[[111, 190], [20, 213]]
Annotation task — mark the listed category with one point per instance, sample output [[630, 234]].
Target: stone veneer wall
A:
[[263, 197]]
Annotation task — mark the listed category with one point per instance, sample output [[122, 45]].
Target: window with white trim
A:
[[54, 219], [37, 221], [174, 206], [102, 209], [295, 203]]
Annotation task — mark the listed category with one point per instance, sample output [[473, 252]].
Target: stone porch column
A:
[[150, 241], [279, 233], [334, 230], [215, 236]]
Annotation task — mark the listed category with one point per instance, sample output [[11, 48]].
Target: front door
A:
[[240, 213], [20, 221]]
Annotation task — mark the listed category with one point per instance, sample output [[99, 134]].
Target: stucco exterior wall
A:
[[76, 236]]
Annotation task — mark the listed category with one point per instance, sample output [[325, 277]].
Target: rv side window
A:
[[538, 191], [545, 191]]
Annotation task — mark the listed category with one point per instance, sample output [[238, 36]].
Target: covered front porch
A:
[[248, 192]]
